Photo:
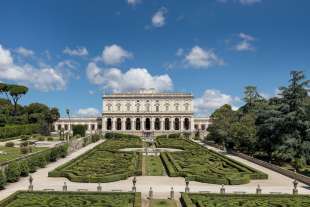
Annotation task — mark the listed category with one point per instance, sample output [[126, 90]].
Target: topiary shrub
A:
[[24, 150], [24, 169], [9, 144], [79, 130], [50, 139], [2, 180], [13, 172]]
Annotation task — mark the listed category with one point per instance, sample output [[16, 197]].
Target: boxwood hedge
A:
[[104, 163], [233, 200], [200, 164], [19, 167], [71, 199], [7, 132]]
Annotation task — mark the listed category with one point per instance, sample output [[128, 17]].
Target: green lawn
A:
[[154, 166], [203, 165], [105, 163], [72, 199], [14, 152], [163, 203], [231, 200]]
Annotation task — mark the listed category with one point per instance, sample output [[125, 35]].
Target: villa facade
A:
[[144, 112]]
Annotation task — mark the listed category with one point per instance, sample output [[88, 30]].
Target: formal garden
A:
[[104, 163], [231, 200], [200, 164], [72, 199]]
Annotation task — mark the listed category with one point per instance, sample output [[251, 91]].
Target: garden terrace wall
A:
[[136, 200], [288, 173]]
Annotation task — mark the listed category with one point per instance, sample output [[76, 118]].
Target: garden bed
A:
[[104, 163], [71, 199], [154, 166], [231, 200], [200, 164]]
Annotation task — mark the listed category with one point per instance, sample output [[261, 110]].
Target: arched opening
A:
[[118, 124], [109, 124], [138, 124], [167, 124], [186, 124], [128, 124], [157, 124], [176, 124], [147, 124]]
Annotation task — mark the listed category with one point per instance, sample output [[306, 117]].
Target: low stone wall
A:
[[288, 173]]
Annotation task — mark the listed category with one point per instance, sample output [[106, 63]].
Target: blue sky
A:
[[68, 52]]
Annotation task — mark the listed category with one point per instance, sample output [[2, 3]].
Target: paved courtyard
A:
[[161, 185]]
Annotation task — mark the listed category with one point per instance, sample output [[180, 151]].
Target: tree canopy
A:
[[11, 112], [278, 128]]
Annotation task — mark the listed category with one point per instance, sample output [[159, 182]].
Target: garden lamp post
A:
[[68, 114]]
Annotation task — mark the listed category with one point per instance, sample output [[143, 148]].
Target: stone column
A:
[[103, 124], [142, 123], [181, 124], [123, 123], [152, 120], [132, 122], [171, 121], [162, 125], [113, 124], [192, 124]]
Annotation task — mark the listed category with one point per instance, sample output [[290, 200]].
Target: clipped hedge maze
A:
[[230, 200], [72, 199], [200, 164], [104, 163]]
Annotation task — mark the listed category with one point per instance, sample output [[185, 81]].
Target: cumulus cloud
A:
[[24, 52], [133, 2], [213, 99], [79, 51], [159, 18], [135, 78], [200, 58], [88, 112], [44, 78], [114, 54], [242, 2], [5, 56], [245, 43]]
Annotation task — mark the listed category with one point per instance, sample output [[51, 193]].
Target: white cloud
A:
[[159, 18], [133, 2], [114, 54], [79, 51], [135, 78], [213, 99], [5, 56], [44, 78], [243, 2], [88, 112], [245, 43], [24, 52], [200, 58]]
